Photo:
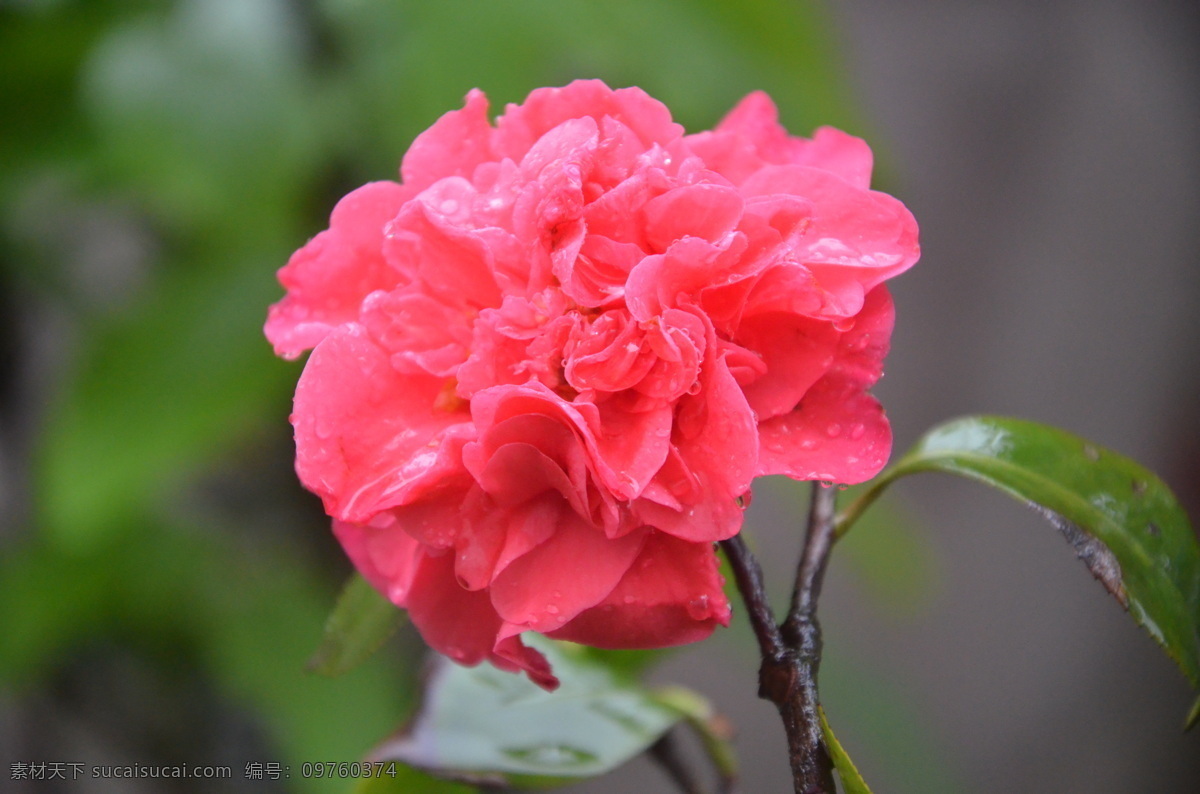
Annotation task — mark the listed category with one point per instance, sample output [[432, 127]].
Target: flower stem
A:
[[791, 654]]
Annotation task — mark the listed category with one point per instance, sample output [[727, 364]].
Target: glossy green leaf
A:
[[1123, 522], [852, 782], [484, 726], [361, 621]]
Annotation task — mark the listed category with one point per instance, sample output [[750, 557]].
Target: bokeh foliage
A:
[[158, 162]]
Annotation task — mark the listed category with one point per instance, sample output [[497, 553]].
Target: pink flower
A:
[[550, 361]]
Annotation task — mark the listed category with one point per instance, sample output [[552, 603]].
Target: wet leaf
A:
[[852, 782], [487, 727], [1123, 521], [360, 623]]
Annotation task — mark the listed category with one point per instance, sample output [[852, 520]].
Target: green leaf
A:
[[487, 727], [852, 782], [1123, 522], [361, 621]]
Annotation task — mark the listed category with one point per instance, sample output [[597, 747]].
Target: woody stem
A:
[[791, 653]]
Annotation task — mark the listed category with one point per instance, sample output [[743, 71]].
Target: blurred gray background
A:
[[1050, 152]]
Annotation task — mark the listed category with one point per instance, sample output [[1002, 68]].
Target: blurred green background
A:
[[163, 577]]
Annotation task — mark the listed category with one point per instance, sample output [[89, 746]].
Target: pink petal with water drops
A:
[[328, 278], [556, 580], [367, 436], [383, 553], [455, 145], [463, 625], [671, 595], [839, 432]]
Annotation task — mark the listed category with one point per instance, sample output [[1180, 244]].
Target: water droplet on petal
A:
[[697, 608], [857, 430], [322, 427], [834, 430]]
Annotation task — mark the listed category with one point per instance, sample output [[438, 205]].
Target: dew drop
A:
[[697, 608], [808, 443], [322, 427], [834, 430], [551, 609], [857, 430]]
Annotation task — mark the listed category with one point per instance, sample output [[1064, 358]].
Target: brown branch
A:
[[748, 574], [791, 656]]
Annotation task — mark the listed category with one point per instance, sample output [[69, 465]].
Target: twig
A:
[[749, 578], [792, 656], [666, 752]]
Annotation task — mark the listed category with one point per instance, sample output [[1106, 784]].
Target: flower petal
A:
[[463, 625], [556, 580], [838, 433], [857, 238], [715, 433], [328, 278], [456, 143], [452, 264], [671, 595], [385, 555], [368, 437], [797, 352]]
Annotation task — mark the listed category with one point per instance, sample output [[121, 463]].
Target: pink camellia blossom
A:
[[548, 363]]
